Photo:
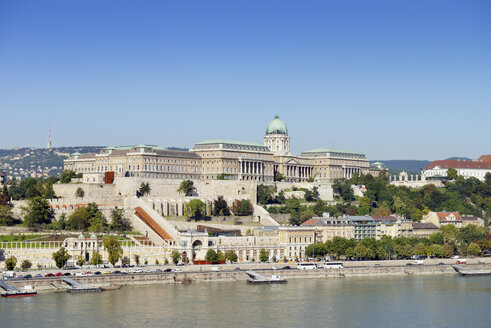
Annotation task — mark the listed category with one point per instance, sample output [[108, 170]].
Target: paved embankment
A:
[[229, 273]]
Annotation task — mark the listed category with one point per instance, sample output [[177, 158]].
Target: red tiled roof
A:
[[442, 216], [485, 158], [446, 164], [311, 222]]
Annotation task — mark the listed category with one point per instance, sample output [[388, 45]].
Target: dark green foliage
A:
[[312, 195], [195, 209], [242, 207], [11, 262], [278, 176], [7, 217], [37, 212], [343, 188], [220, 207], [144, 188], [263, 255], [67, 176], [79, 192], [118, 223], [211, 256], [87, 218], [61, 257], [186, 187], [176, 256]]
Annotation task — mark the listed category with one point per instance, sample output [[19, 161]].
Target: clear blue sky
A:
[[392, 79]]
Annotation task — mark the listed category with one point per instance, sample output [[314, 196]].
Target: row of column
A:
[[251, 167], [348, 172], [302, 172]]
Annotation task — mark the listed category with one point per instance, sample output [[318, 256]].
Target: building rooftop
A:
[[455, 164], [229, 142], [329, 151], [277, 126], [420, 225]]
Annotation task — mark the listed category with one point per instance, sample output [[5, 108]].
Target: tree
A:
[[136, 257], [80, 260], [220, 207], [26, 265], [37, 212], [125, 261], [176, 257], [221, 256], [278, 176], [61, 257], [451, 173], [118, 223], [343, 188], [471, 234], [11, 262], [49, 193], [186, 187], [113, 249], [437, 238], [96, 258], [79, 219], [319, 207], [211, 256], [437, 250], [66, 176], [263, 255], [474, 249], [242, 207], [231, 256], [450, 233], [80, 193], [6, 216], [311, 195], [144, 188], [195, 209]]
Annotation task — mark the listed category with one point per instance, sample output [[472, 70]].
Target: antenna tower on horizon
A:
[[49, 135]]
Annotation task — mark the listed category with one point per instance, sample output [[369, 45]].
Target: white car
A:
[[176, 270], [138, 270], [79, 274]]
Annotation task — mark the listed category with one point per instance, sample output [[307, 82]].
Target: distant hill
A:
[[408, 165], [460, 158]]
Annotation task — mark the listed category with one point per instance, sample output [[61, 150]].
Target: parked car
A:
[[158, 270], [88, 273], [124, 272], [97, 272], [178, 270], [58, 274], [168, 270], [79, 274], [441, 263], [461, 261], [138, 270], [107, 272], [237, 269], [287, 267], [49, 275], [377, 264], [66, 274], [38, 275], [27, 276], [117, 272]]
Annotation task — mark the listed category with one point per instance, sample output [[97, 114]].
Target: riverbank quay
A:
[[199, 274]]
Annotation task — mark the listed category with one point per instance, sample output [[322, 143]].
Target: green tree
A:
[[211, 256], [471, 234], [6, 216], [80, 260], [195, 209], [26, 265], [79, 219], [113, 249], [66, 176], [449, 232], [343, 188], [263, 255], [437, 250], [176, 257], [61, 257], [448, 250], [96, 258], [316, 250], [312, 195], [221, 256], [319, 207], [186, 187], [242, 207], [49, 193], [220, 207], [474, 249], [125, 261], [265, 194], [451, 173], [144, 188], [136, 257], [37, 212], [278, 176], [11, 262], [79, 192], [437, 238], [118, 223], [231, 256]]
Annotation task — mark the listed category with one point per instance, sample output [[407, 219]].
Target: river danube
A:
[[435, 301]]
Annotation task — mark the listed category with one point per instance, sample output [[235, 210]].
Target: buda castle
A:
[[220, 159]]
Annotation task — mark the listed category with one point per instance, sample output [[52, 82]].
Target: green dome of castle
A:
[[277, 126]]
